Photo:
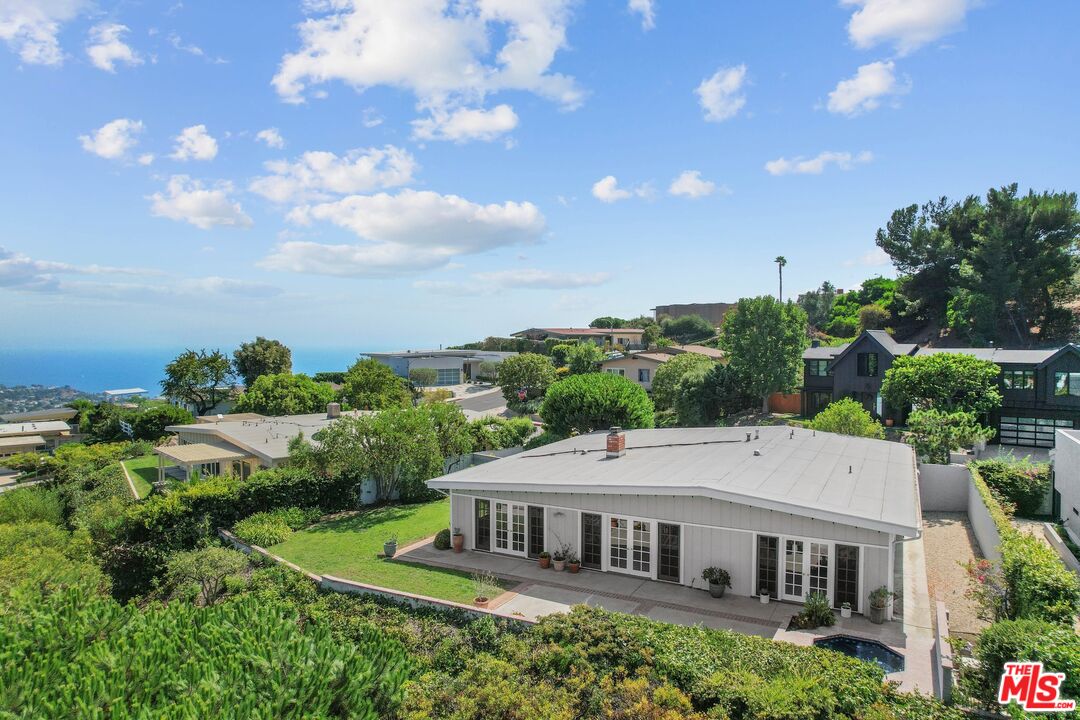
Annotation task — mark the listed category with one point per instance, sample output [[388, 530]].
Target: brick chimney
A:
[[333, 410], [616, 443]]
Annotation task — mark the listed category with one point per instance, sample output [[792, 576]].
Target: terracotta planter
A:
[[888, 422], [573, 567], [545, 562], [459, 542], [481, 602], [717, 589], [560, 565]]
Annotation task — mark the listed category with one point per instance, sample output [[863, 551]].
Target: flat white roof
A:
[[838, 478], [198, 453], [22, 441], [33, 428], [123, 391]]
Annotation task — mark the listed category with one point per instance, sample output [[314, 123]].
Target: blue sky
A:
[[418, 172]]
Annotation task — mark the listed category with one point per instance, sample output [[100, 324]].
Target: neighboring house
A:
[[63, 414], [640, 367], [123, 394], [629, 338], [787, 511], [239, 447], [1067, 480], [713, 312], [230, 395], [1040, 388], [453, 366], [45, 436]]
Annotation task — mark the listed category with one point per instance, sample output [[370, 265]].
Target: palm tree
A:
[[781, 261]]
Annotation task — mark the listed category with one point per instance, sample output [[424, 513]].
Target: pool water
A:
[[867, 650]]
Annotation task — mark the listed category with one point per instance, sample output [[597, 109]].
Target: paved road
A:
[[486, 401]]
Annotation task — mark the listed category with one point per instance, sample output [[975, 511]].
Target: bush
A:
[[1020, 484], [816, 612], [848, 417], [529, 372], [285, 394], [442, 539], [1038, 584], [270, 528], [596, 401], [1056, 646], [668, 375], [29, 505], [544, 438], [152, 419], [496, 433]]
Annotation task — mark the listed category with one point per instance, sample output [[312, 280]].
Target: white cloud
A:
[[466, 124], [113, 140], [720, 96], [690, 184], [607, 189], [875, 258], [146, 159], [907, 24], [646, 10], [20, 272], [448, 54], [816, 165], [488, 283], [188, 201], [863, 92], [195, 143], [271, 137], [406, 232], [190, 49], [106, 49], [319, 175], [371, 118], [30, 27]]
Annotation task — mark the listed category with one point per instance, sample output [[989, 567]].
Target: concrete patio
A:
[[541, 592]]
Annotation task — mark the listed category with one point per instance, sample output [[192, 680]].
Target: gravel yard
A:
[[949, 544]]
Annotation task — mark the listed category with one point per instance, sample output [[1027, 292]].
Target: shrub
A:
[[29, 505], [442, 539], [1038, 584], [237, 659], [527, 372], [934, 433], [947, 382], [285, 394], [271, 528], [207, 569], [44, 556], [595, 401], [816, 612], [668, 375], [1056, 646], [1021, 484], [848, 417], [544, 438]]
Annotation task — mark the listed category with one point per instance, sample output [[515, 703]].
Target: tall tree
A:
[[595, 401], [525, 378], [370, 385], [608, 321], [818, 304], [285, 394], [942, 381], [199, 378], [780, 261], [671, 372], [261, 357], [688, 329], [765, 340], [584, 358]]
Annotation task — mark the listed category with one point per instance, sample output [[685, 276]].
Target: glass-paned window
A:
[[616, 371], [667, 567], [767, 552], [793, 568], [502, 526], [517, 537], [817, 401], [618, 543], [643, 375], [642, 546], [818, 368], [483, 524], [1019, 379], [591, 540], [448, 376], [819, 568], [867, 364], [847, 576], [536, 531], [1067, 383]]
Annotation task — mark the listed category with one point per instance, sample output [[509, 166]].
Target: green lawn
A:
[[351, 548], [143, 471]]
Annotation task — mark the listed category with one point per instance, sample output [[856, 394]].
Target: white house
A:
[[785, 510]]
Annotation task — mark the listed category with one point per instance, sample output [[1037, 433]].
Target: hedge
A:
[[1020, 484]]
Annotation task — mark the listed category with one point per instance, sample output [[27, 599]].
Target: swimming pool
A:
[[869, 650]]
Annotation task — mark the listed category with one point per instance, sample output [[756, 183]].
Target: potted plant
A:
[[486, 587], [763, 596], [389, 547], [573, 563], [880, 602], [458, 540], [718, 579], [558, 558], [845, 610], [889, 422], [545, 560]]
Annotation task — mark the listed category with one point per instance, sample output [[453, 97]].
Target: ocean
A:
[[97, 370]]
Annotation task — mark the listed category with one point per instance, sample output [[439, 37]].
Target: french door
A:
[[482, 539], [794, 573], [510, 528], [630, 545], [592, 541], [536, 531], [806, 569]]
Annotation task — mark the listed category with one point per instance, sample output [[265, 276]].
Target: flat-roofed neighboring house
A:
[[629, 338], [786, 511], [45, 436], [452, 367], [64, 414]]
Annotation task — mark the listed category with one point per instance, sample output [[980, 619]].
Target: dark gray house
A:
[[1040, 388]]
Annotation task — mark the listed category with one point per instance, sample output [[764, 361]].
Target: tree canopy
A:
[[608, 321], [934, 433], [261, 357], [424, 377], [687, 329], [848, 417], [669, 373], [526, 372], [765, 340], [199, 378], [285, 394], [583, 358], [595, 401], [705, 394], [370, 385], [942, 381], [818, 304]]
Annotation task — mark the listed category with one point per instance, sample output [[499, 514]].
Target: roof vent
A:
[[757, 453], [757, 434], [791, 436], [848, 469], [616, 443], [747, 437]]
